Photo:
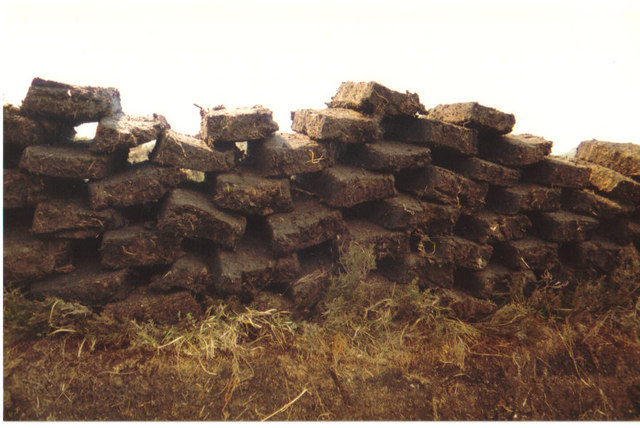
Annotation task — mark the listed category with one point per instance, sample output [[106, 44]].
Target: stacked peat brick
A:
[[447, 197]]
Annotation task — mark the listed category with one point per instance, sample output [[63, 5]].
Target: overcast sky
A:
[[568, 70]]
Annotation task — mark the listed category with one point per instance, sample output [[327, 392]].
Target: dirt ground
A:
[[371, 351]]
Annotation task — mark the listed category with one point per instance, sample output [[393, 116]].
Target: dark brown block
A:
[[461, 252], [554, 171], [189, 214], [336, 124], [398, 212], [562, 226], [163, 308], [27, 258], [515, 150], [384, 243], [190, 272], [523, 198], [613, 184], [21, 131], [250, 193], [373, 98], [390, 156], [137, 246], [442, 185], [22, 189], [414, 267], [240, 124], [137, 185], [488, 172], [487, 226], [598, 254], [433, 134], [345, 186], [123, 132], [69, 162], [486, 120], [495, 282], [620, 157], [251, 267], [590, 203], [183, 151], [88, 285], [405, 212], [287, 154], [74, 219], [439, 219], [70, 103], [620, 230], [529, 253], [310, 223]]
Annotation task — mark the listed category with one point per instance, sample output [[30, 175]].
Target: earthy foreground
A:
[[372, 350]]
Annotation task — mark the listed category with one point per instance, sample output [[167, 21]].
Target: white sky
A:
[[568, 70]]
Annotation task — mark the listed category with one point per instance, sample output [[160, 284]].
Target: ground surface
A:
[[371, 351]]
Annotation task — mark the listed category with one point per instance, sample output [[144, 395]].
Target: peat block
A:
[[287, 154], [189, 214], [404, 212], [553, 171], [183, 151], [523, 198], [374, 98], [251, 267], [413, 267], [336, 124], [621, 157], [438, 219], [488, 172], [441, 185], [190, 272], [433, 134], [486, 120], [390, 156], [620, 230], [310, 223], [145, 305], [487, 226], [613, 185], [88, 285], [399, 212], [316, 267], [599, 254], [250, 193], [346, 186], [74, 219], [22, 189], [27, 258], [137, 185], [70, 103], [466, 307], [384, 243], [462, 252], [123, 132], [69, 162], [590, 203], [21, 131], [562, 226], [240, 124], [528, 253], [138, 246], [495, 282], [515, 150]]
